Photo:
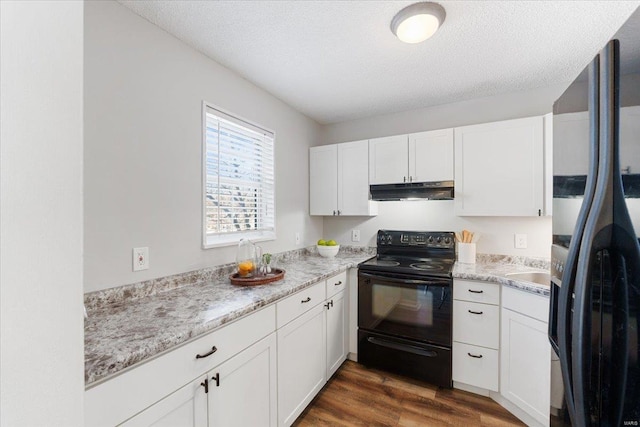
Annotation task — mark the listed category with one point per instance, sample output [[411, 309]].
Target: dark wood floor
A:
[[367, 397]]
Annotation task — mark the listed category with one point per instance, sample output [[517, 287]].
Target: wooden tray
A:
[[275, 275]]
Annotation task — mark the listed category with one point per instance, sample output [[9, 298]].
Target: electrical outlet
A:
[[140, 259], [297, 238], [355, 235], [521, 241]]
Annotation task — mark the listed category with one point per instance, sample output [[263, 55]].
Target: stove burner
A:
[[383, 263], [424, 266]]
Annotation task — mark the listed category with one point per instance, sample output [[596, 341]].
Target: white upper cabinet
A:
[[323, 180], [572, 130], [499, 168], [431, 156], [418, 157], [339, 180], [629, 130], [388, 160]]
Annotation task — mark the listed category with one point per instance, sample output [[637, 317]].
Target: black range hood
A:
[[439, 190]]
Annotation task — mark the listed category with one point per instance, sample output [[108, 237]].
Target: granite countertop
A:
[[492, 268], [133, 323]]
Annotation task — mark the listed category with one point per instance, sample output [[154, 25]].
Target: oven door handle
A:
[[406, 281], [402, 347]]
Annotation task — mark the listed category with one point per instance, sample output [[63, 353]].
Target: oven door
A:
[[405, 306]]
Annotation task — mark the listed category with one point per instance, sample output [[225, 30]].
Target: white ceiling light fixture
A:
[[418, 22]]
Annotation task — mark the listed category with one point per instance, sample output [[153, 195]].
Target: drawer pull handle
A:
[[338, 284], [479, 356], [475, 292], [474, 312], [306, 300], [202, 356]]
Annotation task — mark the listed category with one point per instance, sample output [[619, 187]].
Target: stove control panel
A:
[[416, 238]]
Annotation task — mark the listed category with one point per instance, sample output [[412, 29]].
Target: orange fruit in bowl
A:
[[245, 267]]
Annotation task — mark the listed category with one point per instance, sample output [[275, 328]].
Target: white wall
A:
[[474, 111], [497, 233], [41, 322], [143, 95]]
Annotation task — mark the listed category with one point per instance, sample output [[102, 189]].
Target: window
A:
[[239, 187]]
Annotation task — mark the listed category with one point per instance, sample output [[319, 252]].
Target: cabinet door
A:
[[323, 180], [499, 168], [431, 156], [337, 338], [242, 391], [388, 160], [301, 363], [525, 364], [572, 130], [353, 179], [629, 131], [185, 407]]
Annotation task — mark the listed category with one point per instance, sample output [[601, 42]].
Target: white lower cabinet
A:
[[337, 334], [186, 407], [243, 390], [476, 334], [240, 392], [301, 363], [526, 355], [312, 346], [476, 366]]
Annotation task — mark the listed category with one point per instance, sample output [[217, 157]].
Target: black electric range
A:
[[405, 305]]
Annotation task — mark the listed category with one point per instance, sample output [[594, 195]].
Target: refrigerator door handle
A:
[[608, 234], [565, 297]]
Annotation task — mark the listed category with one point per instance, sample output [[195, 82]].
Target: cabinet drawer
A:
[[299, 303], [476, 366], [483, 292], [119, 398], [476, 324], [336, 284], [529, 304]]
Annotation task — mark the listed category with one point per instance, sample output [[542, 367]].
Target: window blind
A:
[[239, 187]]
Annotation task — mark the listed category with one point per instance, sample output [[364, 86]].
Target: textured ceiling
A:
[[338, 60]]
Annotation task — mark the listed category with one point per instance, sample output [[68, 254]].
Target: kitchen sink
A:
[[538, 277]]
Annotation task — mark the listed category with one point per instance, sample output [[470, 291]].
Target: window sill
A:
[[217, 240]]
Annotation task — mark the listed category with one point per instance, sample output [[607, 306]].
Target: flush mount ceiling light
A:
[[418, 22]]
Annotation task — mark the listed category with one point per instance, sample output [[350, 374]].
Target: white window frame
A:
[[212, 240]]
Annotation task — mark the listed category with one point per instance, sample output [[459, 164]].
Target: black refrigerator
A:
[[595, 285]]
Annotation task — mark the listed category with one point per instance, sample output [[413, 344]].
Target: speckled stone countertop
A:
[[494, 268], [133, 323]]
